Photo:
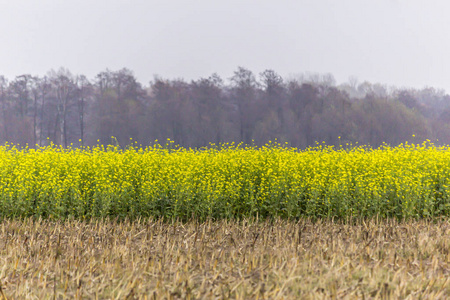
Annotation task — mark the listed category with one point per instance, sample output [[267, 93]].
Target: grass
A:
[[278, 259]]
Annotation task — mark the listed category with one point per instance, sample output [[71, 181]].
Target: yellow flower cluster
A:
[[225, 181]]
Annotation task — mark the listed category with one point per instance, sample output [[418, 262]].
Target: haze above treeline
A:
[[68, 109]]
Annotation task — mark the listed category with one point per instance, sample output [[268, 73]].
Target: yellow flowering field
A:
[[226, 181]]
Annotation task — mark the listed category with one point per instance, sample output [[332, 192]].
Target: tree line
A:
[[68, 109]]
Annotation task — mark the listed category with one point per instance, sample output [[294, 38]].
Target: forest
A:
[[72, 110]]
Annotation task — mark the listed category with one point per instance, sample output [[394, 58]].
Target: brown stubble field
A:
[[356, 259]]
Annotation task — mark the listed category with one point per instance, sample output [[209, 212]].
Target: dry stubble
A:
[[224, 259]]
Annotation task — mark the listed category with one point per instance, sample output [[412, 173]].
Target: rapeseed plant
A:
[[225, 181]]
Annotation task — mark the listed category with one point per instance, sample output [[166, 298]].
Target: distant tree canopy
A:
[[69, 109]]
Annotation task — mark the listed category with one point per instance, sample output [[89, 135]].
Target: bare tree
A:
[[207, 98], [3, 97], [64, 87], [44, 88], [170, 110], [84, 90], [35, 92], [244, 92], [118, 106], [274, 96], [20, 91]]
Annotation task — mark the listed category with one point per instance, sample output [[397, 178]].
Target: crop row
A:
[[226, 181]]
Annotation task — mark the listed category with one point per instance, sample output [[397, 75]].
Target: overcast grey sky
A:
[[400, 42]]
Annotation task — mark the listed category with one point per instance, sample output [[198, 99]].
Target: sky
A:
[[405, 43]]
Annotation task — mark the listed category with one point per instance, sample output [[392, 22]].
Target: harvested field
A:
[[280, 259]]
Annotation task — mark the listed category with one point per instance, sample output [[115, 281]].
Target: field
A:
[[276, 259], [226, 181], [225, 222]]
